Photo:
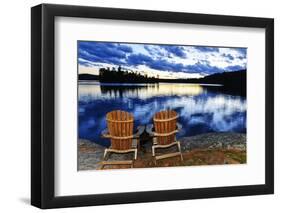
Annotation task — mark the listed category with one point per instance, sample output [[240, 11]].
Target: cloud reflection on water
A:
[[200, 109]]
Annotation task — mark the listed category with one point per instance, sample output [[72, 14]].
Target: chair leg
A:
[[135, 157], [179, 147], [107, 153], [153, 151], [153, 155], [104, 155], [177, 143], [136, 154]]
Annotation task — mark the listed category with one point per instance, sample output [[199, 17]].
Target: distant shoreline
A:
[[148, 83], [224, 78], [232, 82]]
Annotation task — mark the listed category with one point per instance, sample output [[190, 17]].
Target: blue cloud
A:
[[234, 68], [125, 48], [167, 66], [139, 59], [229, 56], [158, 64], [242, 51], [175, 50], [103, 52], [152, 50], [207, 49], [170, 51], [85, 63], [124, 54], [204, 68]]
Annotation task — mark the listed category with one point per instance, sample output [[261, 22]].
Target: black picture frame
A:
[[43, 105]]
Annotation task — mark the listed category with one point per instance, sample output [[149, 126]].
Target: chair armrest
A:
[[140, 130], [149, 130], [105, 133]]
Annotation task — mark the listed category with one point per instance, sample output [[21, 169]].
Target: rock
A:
[[90, 154], [214, 141]]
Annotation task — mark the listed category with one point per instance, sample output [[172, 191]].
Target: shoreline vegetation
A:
[[232, 82], [203, 149]]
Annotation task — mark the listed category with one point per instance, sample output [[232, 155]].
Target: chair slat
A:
[[165, 123], [119, 131], [120, 126]]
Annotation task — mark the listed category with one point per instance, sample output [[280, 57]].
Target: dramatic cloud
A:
[[175, 50], [139, 59], [234, 68], [207, 49], [164, 59], [242, 51], [103, 52], [229, 56], [205, 68]]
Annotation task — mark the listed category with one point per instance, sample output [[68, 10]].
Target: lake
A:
[[201, 108]]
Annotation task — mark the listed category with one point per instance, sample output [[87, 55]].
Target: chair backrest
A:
[[120, 126], [165, 125]]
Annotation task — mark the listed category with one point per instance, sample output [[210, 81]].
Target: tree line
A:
[[123, 76], [233, 82]]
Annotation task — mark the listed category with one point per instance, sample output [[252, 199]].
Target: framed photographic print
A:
[[139, 106]]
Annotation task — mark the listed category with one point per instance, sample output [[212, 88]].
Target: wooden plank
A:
[[161, 127], [166, 145], [166, 134], [167, 155], [118, 129], [120, 151], [170, 127], [124, 127], [116, 162], [126, 131], [115, 133]]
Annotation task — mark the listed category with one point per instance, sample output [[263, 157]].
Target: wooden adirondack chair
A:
[[120, 125], [164, 132]]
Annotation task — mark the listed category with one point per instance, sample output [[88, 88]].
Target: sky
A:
[[164, 61]]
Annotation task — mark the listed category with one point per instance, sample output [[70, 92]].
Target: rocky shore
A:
[[214, 141], [204, 149]]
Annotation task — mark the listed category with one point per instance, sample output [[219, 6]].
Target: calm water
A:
[[201, 108]]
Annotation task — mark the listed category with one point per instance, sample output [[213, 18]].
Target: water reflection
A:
[[201, 108], [141, 91]]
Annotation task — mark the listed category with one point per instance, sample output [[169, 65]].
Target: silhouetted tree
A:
[[119, 69], [107, 75], [233, 82]]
